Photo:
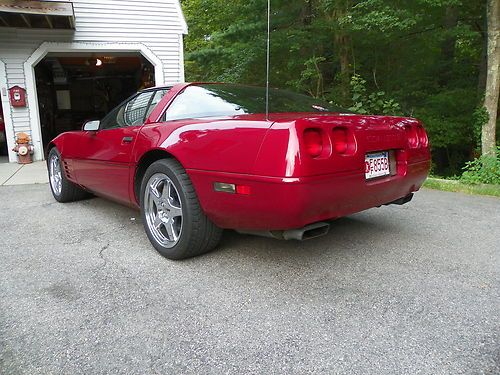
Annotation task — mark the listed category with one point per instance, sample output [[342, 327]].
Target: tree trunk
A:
[[483, 64], [342, 42], [448, 46], [483, 67], [488, 136], [307, 13]]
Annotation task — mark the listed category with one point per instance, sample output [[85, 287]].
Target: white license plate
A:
[[377, 164]]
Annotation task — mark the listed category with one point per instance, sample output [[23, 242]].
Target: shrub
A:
[[376, 103], [483, 170]]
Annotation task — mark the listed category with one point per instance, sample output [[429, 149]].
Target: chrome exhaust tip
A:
[[308, 232], [401, 201]]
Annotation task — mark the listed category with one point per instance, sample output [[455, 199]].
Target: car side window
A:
[[158, 95], [113, 119], [135, 110], [198, 102], [129, 113]]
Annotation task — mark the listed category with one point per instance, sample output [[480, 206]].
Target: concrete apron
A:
[[23, 174]]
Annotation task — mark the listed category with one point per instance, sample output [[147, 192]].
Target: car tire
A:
[[62, 189], [172, 216]]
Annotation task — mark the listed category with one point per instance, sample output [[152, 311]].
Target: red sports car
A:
[[198, 158]]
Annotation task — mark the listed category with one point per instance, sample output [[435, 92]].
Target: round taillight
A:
[[340, 141], [411, 136], [422, 137], [313, 142]]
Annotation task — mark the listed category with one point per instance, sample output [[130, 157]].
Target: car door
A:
[[103, 162]]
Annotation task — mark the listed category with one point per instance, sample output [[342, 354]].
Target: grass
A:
[[457, 186]]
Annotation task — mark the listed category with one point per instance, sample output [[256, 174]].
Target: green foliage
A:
[[448, 118], [420, 58], [483, 170], [373, 103], [479, 118], [457, 186], [311, 78]]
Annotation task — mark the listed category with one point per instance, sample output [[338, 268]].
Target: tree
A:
[[428, 56], [488, 137], [338, 13]]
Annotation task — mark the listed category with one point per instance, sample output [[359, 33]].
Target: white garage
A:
[[73, 60]]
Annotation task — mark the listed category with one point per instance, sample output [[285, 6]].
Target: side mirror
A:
[[91, 126]]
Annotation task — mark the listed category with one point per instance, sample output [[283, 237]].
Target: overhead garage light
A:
[[93, 61]]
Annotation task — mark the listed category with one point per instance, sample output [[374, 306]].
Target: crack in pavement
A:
[[101, 254]]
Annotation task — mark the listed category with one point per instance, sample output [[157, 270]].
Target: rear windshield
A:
[[216, 100]]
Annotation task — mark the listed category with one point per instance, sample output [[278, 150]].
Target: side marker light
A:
[[224, 187]]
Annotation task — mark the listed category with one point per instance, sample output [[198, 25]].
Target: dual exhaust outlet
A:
[[309, 231], [301, 234]]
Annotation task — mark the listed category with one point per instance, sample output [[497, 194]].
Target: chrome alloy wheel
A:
[[163, 210], [55, 174]]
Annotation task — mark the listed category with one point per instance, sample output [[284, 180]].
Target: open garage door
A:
[[76, 87], [3, 139]]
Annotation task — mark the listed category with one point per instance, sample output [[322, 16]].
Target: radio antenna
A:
[[268, 56]]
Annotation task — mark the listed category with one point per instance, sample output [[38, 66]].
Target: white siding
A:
[[156, 24]]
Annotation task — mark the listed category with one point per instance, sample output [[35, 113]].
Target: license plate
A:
[[377, 164]]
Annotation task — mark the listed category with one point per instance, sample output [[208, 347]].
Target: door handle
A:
[[127, 139]]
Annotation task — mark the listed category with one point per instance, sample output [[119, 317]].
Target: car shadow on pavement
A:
[[359, 232], [348, 235]]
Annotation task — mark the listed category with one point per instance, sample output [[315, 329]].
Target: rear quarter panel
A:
[[227, 145]]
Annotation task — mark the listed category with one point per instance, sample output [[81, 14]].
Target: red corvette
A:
[[197, 158]]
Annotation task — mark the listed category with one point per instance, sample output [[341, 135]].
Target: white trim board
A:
[[182, 17], [56, 47], [7, 112]]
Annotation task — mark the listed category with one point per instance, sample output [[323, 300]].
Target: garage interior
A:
[[73, 88], [3, 139]]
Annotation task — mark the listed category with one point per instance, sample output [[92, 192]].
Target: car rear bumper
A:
[[284, 203]]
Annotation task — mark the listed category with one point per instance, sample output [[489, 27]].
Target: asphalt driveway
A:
[[395, 290]]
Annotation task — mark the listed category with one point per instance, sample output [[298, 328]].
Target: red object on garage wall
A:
[[17, 96]]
